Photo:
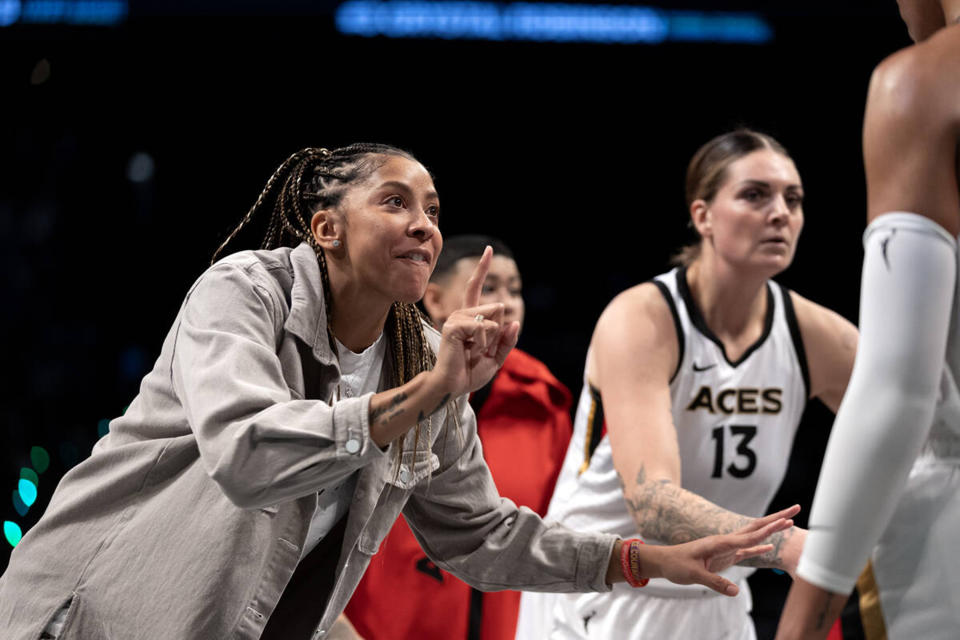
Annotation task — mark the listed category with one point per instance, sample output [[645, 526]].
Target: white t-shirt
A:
[[359, 374]]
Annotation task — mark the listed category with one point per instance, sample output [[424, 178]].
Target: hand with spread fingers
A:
[[699, 561], [475, 339]]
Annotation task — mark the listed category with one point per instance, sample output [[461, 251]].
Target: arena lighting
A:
[[140, 169], [26, 492], [9, 12], [40, 459], [30, 476], [75, 12], [18, 504], [606, 24], [12, 532]]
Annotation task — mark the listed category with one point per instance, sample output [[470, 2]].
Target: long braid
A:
[[267, 190], [316, 178]]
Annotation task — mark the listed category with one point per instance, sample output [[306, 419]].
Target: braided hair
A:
[[313, 179]]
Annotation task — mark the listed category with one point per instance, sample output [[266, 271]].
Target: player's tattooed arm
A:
[[777, 557], [392, 413], [670, 514]]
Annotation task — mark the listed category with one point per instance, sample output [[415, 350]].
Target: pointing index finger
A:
[[471, 297]]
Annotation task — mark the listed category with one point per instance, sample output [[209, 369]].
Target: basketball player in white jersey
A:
[[890, 485], [693, 390]]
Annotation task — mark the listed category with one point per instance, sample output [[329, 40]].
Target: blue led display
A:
[[9, 12], [77, 12], [550, 22]]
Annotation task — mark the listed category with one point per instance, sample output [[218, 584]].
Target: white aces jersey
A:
[[735, 422]]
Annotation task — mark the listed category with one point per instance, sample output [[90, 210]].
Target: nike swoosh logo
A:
[[883, 246], [699, 369]]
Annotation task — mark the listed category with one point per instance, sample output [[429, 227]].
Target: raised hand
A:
[[475, 341]]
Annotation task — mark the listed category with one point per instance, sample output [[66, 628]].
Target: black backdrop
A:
[[574, 154]]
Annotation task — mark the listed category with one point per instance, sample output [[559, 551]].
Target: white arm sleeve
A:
[[909, 273]]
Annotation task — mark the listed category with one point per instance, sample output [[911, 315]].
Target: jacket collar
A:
[[308, 309]]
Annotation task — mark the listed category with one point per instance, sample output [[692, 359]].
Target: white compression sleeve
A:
[[909, 273]]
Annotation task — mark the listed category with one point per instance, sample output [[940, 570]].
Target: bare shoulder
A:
[[910, 131], [921, 80], [830, 342], [643, 301], [635, 330]]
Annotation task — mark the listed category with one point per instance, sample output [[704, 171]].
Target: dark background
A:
[[572, 153]]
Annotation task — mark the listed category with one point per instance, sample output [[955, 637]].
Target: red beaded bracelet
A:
[[630, 562]]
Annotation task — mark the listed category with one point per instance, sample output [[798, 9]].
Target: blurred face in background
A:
[[503, 284]]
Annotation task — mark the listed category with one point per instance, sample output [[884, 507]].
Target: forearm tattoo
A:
[[671, 514], [392, 409], [443, 401], [388, 411]]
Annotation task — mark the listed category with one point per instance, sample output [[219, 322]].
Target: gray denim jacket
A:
[[188, 519]]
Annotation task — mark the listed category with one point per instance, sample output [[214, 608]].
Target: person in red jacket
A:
[[523, 419]]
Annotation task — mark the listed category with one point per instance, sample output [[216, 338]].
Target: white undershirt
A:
[[359, 374]]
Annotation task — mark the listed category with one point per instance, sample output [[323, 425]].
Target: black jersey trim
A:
[[697, 318], [796, 336], [594, 427], [676, 323]]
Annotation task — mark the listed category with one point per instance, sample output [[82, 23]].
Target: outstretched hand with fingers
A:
[[698, 562], [475, 341]]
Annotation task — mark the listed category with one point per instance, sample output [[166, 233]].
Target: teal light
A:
[[103, 427], [12, 531], [28, 491], [27, 473], [18, 504], [40, 459]]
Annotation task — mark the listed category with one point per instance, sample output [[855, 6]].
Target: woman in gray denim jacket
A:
[[253, 465]]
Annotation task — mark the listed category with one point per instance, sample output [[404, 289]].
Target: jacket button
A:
[[404, 474], [352, 445]]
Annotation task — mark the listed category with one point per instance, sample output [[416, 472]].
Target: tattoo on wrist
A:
[[772, 558]]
